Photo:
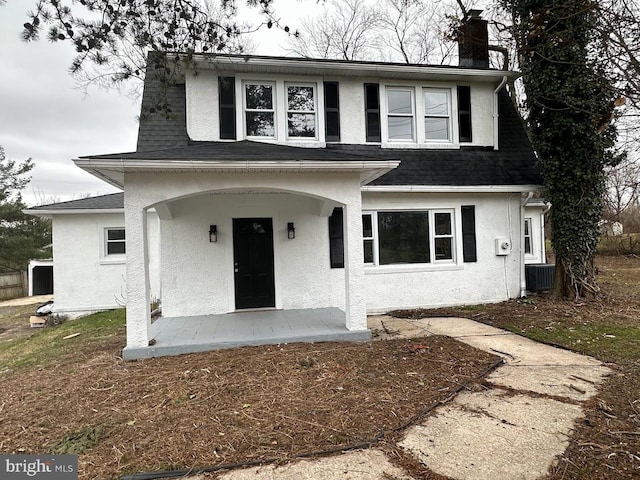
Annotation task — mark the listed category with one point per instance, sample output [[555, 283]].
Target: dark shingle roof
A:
[[246, 150], [103, 202]]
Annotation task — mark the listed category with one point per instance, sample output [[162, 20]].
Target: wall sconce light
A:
[[213, 233], [291, 231]]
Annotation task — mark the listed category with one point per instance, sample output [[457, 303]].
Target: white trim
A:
[[76, 211], [247, 63], [449, 188]]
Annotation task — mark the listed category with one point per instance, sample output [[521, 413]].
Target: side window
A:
[[332, 111], [437, 115], [259, 110], [443, 236], [372, 111], [367, 237], [301, 111], [528, 246], [227, 107], [400, 114], [114, 241]]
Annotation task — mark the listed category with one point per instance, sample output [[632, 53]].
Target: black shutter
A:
[[336, 239], [331, 112], [464, 114], [372, 111], [227, 107], [469, 233]]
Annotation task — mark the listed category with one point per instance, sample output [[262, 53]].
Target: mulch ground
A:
[[228, 406], [606, 444]]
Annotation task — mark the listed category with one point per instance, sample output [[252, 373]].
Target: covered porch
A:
[[178, 335]]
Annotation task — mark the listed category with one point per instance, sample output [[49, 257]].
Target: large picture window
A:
[[301, 111], [437, 114], [115, 241], [259, 110], [407, 237], [400, 114]]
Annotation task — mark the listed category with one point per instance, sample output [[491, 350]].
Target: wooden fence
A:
[[13, 285]]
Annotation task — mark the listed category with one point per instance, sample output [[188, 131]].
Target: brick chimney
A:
[[473, 41]]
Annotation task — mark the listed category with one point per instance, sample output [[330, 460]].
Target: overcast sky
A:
[[45, 117]]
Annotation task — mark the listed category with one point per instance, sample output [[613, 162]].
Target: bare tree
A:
[[346, 30]]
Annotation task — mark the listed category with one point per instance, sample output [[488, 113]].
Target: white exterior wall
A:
[[492, 278], [203, 121], [85, 279], [198, 276]]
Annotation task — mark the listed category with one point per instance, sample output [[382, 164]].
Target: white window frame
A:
[[449, 117], [106, 242], [528, 221], [314, 112], [432, 236], [389, 114], [273, 110]]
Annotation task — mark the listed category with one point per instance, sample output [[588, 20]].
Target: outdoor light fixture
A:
[[291, 231], [213, 233]]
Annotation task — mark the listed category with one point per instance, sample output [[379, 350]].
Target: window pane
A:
[[259, 97], [403, 237], [399, 102], [367, 230], [436, 128], [115, 248], [302, 125], [436, 103], [115, 234], [332, 124], [443, 248], [300, 99], [331, 94], [260, 124], [526, 226], [400, 128], [368, 251], [372, 93], [527, 245], [443, 223]]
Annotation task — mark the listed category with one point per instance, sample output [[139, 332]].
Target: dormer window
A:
[[259, 110], [437, 115], [301, 111]]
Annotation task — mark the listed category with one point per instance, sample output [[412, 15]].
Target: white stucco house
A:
[[289, 184]]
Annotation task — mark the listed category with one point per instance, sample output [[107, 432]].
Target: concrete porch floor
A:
[[178, 335]]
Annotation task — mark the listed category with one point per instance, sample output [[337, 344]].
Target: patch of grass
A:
[[48, 344], [609, 343], [78, 442]]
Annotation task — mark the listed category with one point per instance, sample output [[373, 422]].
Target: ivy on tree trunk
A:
[[570, 104]]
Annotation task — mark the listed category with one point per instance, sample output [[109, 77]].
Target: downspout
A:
[[495, 111], [523, 280]]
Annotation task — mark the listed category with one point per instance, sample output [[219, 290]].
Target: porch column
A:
[[138, 301], [355, 303]]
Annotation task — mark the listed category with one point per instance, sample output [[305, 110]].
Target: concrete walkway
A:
[[513, 431]]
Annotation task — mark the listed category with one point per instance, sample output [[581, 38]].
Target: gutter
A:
[[495, 111]]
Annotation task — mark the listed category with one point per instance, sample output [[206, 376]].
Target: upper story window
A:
[[259, 110], [115, 241], [400, 114], [437, 114], [301, 111]]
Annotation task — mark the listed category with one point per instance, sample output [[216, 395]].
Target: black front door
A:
[[253, 262]]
